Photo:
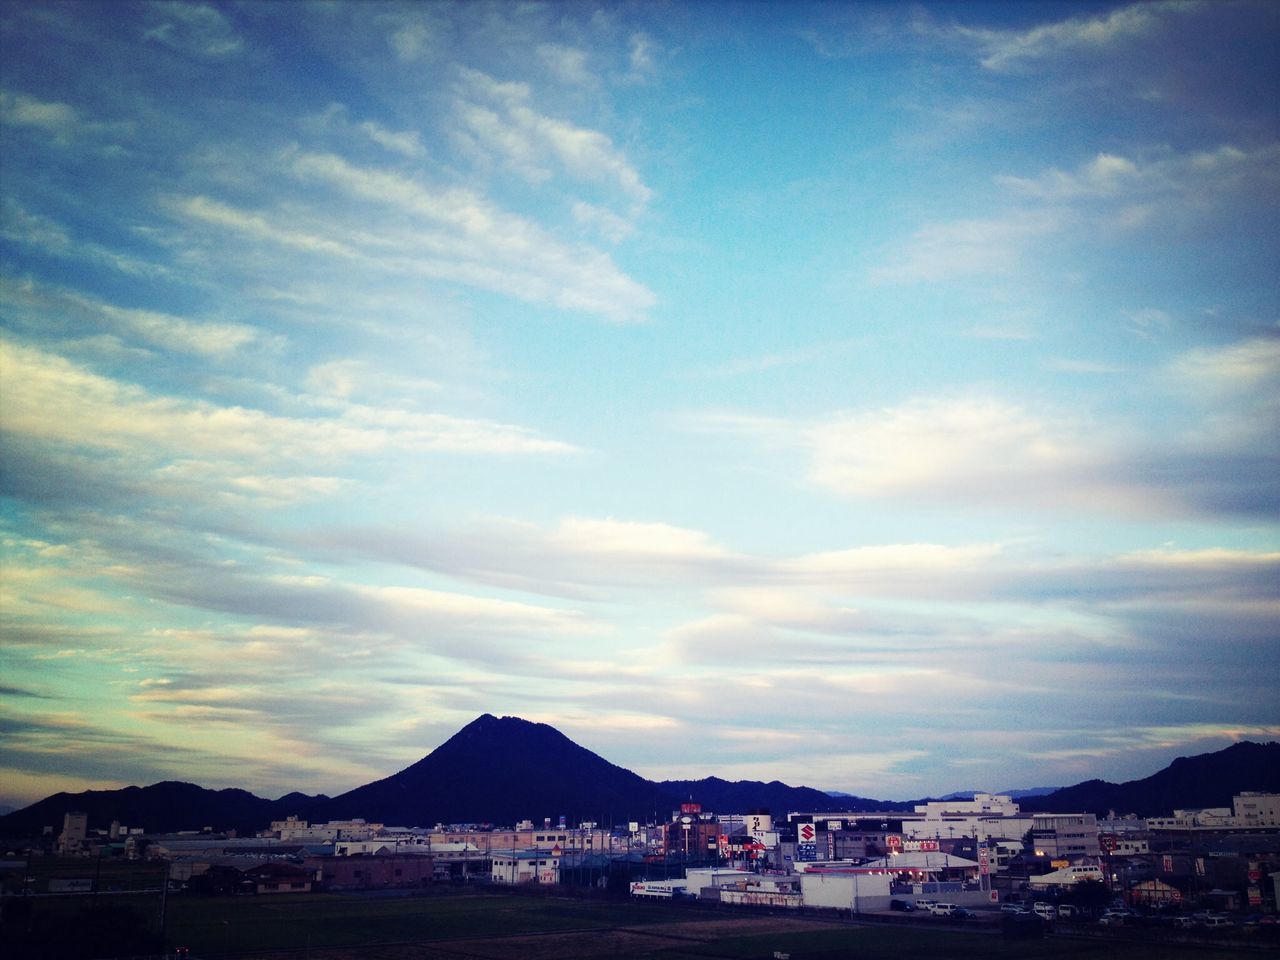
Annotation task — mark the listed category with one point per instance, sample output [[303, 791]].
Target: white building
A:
[[526, 866], [856, 889]]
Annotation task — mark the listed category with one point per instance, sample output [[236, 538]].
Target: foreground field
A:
[[496, 926], [450, 923]]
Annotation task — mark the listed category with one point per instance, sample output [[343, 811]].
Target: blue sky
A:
[[876, 397]]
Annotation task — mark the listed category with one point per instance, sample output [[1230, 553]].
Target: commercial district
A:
[[955, 857]]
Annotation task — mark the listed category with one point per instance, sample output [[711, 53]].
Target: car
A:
[[906, 906], [1045, 911], [925, 904], [1216, 923], [1181, 922], [963, 913], [1114, 918], [1014, 908], [942, 909]]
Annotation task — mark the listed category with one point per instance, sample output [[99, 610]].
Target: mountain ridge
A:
[[504, 769]]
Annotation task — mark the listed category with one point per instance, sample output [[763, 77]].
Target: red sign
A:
[[807, 833]]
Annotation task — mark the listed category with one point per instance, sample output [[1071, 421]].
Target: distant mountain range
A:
[[502, 770], [1189, 783], [1016, 794]]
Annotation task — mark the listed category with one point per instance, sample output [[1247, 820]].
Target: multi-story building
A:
[[75, 828]]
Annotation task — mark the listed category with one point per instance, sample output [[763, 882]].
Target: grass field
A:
[[452, 923], [455, 925]]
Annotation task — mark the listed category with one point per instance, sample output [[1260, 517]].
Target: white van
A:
[[942, 909], [1045, 911]]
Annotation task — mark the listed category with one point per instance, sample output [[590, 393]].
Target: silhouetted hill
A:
[[162, 807], [503, 770], [738, 796], [1206, 780]]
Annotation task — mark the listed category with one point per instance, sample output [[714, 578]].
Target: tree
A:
[[1090, 896]]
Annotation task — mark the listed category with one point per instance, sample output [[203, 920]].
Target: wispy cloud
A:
[[194, 28], [1008, 49], [455, 234], [54, 400], [961, 248], [499, 119]]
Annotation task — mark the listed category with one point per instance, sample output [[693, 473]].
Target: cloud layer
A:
[[882, 399]]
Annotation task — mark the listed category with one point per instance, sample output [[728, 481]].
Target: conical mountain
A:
[[503, 770]]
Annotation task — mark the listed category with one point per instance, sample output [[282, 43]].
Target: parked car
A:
[[1114, 918], [963, 913], [943, 909], [1068, 911], [925, 905], [1014, 908], [1045, 911], [1216, 923], [906, 906]]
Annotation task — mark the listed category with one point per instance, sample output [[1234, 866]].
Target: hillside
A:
[[1206, 780], [501, 770]]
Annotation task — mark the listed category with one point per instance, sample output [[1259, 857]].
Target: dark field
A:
[[447, 923]]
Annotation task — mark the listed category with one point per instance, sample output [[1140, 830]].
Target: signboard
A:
[[1059, 864], [1108, 841], [806, 833], [894, 843], [1255, 896], [920, 846], [984, 862], [806, 851], [1166, 863]]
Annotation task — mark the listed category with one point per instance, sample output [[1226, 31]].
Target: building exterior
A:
[[371, 872], [856, 889], [526, 866], [1070, 836], [75, 827]]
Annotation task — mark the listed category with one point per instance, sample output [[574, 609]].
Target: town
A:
[[1209, 870]]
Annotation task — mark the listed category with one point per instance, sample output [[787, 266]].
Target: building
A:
[[277, 877], [525, 866], [857, 889], [75, 827], [372, 872]]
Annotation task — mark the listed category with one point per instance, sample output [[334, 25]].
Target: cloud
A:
[[193, 28], [961, 248], [407, 143], [958, 444], [640, 54], [576, 557], [54, 400], [53, 117], [453, 234], [1107, 195], [1165, 177], [36, 231], [67, 312], [977, 447], [1249, 365], [1004, 50], [568, 64], [498, 120]]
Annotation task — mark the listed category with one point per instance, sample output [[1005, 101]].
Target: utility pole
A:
[[164, 900]]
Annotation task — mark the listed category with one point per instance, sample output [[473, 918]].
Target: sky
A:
[[876, 397]]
